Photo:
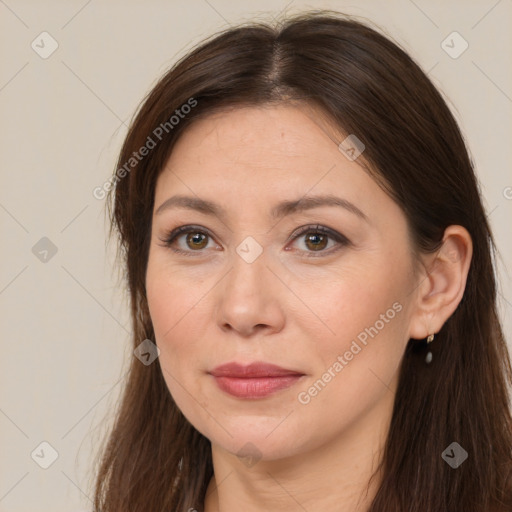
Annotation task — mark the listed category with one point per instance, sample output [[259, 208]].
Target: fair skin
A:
[[213, 306]]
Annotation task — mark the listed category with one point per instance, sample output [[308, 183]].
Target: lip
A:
[[256, 380], [253, 370]]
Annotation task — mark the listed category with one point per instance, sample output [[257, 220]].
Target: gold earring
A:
[[428, 358]]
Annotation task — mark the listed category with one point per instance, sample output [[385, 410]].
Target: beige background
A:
[[64, 327]]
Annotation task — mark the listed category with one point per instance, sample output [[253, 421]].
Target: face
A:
[[323, 291]]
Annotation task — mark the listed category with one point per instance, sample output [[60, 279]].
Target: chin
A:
[[251, 441]]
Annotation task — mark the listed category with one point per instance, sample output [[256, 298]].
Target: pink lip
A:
[[256, 380], [256, 369]]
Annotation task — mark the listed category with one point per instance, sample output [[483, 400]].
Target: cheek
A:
[[171, 294], [173, 310], [363, 329], [172, 306], [355, 368], [350, 300]]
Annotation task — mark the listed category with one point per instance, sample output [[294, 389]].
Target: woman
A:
[[312, 290]]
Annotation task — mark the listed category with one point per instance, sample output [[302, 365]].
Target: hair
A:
[[368, 86]]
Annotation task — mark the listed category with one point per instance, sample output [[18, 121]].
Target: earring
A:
[[428, 359]]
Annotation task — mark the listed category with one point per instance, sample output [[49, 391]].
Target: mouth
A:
[[253, 381]]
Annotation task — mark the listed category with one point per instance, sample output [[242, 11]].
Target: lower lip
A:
[[258, 387]]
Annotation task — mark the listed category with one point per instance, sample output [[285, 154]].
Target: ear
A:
[[442, 284]]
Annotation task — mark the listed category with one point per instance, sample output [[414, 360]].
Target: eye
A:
[[317, 239], [195, 239]]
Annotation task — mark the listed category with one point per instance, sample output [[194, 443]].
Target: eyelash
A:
[[173, 235]]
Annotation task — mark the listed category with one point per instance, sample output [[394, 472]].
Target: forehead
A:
[[252, 158], [260, 131], [270, 145], [245, 164]]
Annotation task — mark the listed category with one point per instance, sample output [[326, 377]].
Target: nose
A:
[[250, 300]]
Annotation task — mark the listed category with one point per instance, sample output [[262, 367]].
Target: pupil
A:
[[321, 243], [197, 238]]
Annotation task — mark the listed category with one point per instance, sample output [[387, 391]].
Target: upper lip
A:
[[253, 370]]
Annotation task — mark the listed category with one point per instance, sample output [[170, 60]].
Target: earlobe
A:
[[443, 283]]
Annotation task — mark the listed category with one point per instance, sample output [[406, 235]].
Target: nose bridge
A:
[[249, 265], [248, 297]]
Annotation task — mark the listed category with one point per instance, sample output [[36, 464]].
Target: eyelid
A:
[[342, 241], [318, 228], [171, 236]]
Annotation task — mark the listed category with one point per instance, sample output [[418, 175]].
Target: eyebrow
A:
[[280, 210]]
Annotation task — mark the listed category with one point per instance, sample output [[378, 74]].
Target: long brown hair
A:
[[155, 460]]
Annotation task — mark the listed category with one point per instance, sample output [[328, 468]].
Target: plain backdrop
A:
[[65, 331]]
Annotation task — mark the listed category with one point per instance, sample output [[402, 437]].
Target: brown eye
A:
[[191, 240], [187, 240], [316, 241], [197, 240]]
